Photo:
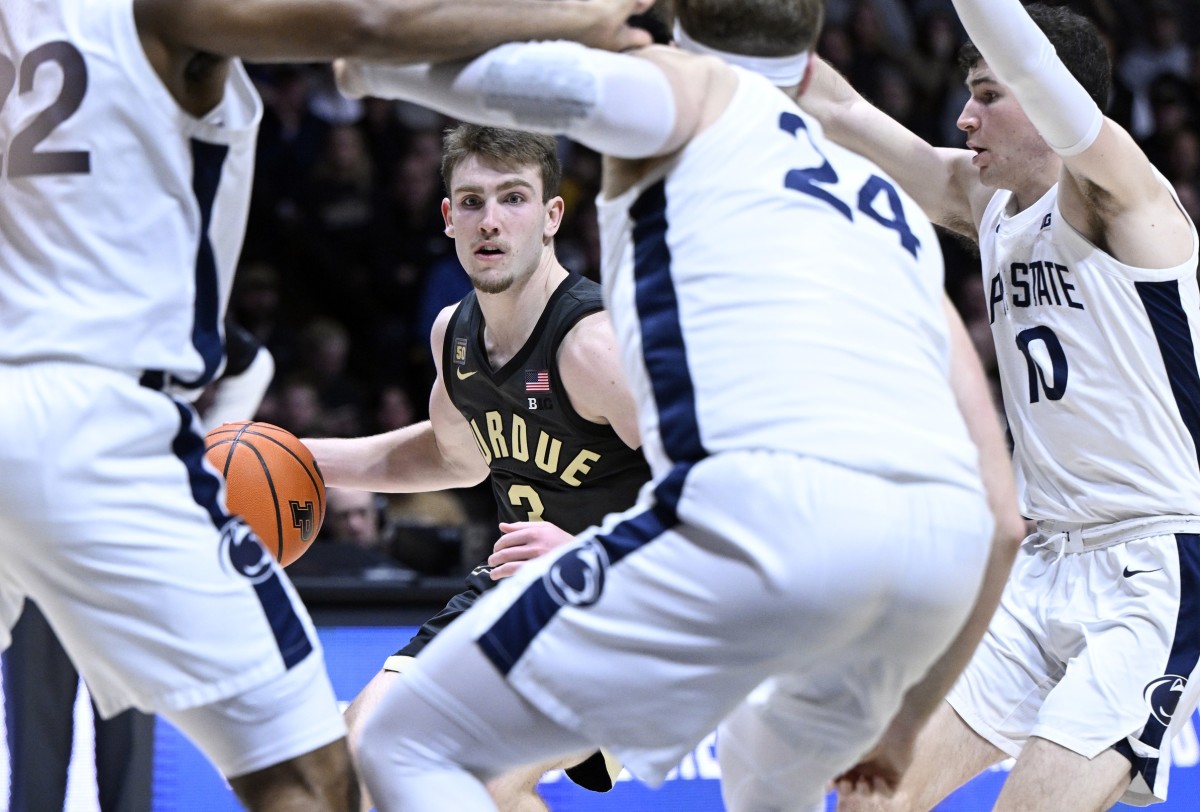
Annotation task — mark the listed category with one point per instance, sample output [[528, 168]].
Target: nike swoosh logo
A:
[[1130, 573], [462, 376]]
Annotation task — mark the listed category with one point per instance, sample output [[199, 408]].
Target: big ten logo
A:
[[539, 404]]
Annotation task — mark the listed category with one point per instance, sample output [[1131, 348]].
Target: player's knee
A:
[[363, 706], [380, 748], [322, 779], [355, 717]]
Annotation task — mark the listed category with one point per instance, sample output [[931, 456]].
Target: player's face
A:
[[1009, 151], [502, 229], [351, 517]]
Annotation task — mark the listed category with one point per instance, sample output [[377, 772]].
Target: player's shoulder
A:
[[693, 77], [581, 292], [590, 340], [675, 59], [442, 323]]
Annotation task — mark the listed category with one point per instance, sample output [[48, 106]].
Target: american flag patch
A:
[[537, 380]]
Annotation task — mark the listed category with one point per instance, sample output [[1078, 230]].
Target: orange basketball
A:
[[271, 481]]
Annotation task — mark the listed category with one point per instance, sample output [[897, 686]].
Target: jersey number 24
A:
[[807, 181]]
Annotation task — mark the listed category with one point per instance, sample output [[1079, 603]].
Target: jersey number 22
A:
[[23, 158]]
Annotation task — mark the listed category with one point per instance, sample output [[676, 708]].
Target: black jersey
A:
[[547, 462]]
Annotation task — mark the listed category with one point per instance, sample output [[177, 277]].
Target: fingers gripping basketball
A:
[[271, 481]]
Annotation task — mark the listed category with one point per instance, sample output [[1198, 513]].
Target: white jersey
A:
[[1098, 362], [137, 234], [782, 343]]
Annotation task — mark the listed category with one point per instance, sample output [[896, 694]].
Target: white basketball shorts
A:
[[1095, 645], [647, 632], [111, 521]]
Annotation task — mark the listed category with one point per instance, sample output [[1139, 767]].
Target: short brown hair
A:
[[509, 149], [1077, 43], [753, 27]]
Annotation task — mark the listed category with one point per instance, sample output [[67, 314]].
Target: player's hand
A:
[[881, 769], [621, 36], [521, 542]]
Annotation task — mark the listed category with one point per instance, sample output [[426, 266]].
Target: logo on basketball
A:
[[1162, 695], [303, 518], [577, 577], [244, 551]]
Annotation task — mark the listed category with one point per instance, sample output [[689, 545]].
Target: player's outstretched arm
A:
[[942, 181], [1109, 190], [636, 105], [401, 30], [432, 455], [981, 415]]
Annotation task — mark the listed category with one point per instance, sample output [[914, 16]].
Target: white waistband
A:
[[1076, 538]]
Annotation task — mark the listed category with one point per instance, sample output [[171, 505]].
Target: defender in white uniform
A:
[[817, 514], [127, 139], [1089, 263]]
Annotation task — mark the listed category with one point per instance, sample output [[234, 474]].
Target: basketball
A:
[[271, 481]]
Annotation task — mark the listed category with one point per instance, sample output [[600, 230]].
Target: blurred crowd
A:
[[346, 264]]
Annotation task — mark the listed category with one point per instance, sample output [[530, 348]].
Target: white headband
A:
[[783, 71]]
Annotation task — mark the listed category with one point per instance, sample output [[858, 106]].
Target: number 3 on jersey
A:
[[23, 159], [518, 494], [806, 182]]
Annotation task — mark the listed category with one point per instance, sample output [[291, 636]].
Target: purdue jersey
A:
[[547, 462], [137, 235], [1098, 362], [726, 352]]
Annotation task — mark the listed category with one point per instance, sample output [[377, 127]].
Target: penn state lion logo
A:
[[244, 551], [1162, 695], [577, 577]]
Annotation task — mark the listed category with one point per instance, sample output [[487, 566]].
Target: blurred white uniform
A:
[[121, 223], [816, 513]]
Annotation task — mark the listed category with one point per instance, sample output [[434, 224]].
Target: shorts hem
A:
[[398, 663], [195, 696], [302, 744], [1008, 746], [1087, 749]]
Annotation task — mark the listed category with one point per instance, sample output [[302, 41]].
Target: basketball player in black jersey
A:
[[529, 391]]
